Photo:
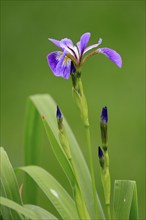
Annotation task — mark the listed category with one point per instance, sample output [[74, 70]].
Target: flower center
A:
[[66, 59]]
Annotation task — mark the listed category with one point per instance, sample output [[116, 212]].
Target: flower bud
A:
[[104, 115], [101, 157], [58, 113], [59, 118], [62, 134], [103, 127]]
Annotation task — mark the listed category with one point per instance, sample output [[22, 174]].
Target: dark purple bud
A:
[[101, 157], [100, 152], [58, 113], [73, 69], [104, 115]]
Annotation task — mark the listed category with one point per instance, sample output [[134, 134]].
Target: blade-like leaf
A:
[[31, 142], [54, 191], [29, 211], [17, 208], [125, 205], [4, 211], [9, 185], [46, 107], [41, 213], [64, 163]]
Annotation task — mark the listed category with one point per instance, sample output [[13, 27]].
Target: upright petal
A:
[[93, 46], [59, 64], [112, 55], [83, 42]]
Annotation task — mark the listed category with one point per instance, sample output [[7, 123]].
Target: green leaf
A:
[[9, 185], [4, 211], [17, 208], [125, 204], [57, 149], [32, 130], [41, 213], [29, 211], [54, 191], [46, 107]]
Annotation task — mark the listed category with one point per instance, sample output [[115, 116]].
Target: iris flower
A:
[[70, 58]]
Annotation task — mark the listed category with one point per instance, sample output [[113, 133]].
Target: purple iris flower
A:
[[69, 59]]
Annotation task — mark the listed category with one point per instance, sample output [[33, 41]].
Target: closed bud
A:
[[101, 157], [62, 133], [104, 115], [59, 118], [103, 127], [58, 113]]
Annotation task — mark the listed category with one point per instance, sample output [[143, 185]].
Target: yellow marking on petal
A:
[[66, 59]]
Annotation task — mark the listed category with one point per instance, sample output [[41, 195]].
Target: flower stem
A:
[[88, 139], [108, 211], [78, 197], [80, 203], [81, 103]]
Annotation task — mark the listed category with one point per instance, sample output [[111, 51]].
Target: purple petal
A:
[[83, 42], [67, 45], [59, 64], [112, 55], [93, 46], [56, 42]]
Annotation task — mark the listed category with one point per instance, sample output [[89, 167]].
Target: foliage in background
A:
[[12, 207]]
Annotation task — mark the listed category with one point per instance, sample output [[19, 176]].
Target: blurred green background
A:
[[25, 28]]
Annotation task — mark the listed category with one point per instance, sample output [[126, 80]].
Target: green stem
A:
[[108, 211], [91, 169], [80, 203], [81, 103], [78, 197]]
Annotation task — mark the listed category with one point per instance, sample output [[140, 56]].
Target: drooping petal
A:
[[93, 46], [112, 55], [64, 66], [59, 64], [56, 42], [53, 59], [83, 42]]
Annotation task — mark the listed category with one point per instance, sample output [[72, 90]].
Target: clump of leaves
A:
[[41, 109]]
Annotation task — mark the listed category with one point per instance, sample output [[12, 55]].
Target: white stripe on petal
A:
[[93, 46]]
